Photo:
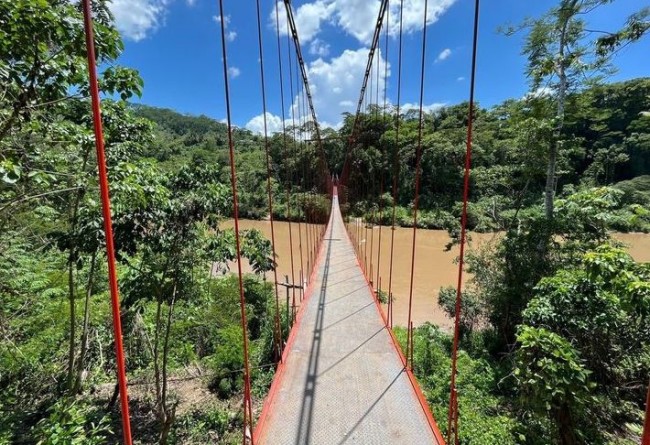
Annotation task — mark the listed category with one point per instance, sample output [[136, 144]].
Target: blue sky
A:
[[176, 46]]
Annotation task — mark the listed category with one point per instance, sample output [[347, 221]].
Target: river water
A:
[[435, 266]]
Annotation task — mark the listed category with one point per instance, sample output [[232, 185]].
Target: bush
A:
[[71, 423], [484, 414], [207, 425], [227, 361], [636, 190]]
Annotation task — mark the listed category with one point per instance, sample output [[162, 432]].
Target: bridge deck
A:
[[343, 381]]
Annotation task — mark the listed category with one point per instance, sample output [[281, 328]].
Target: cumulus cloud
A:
[[335, 84], [273, 124], [308, 17], [353, 16], [539, 92], [444, 54], [231, 35], [234, 72], [427, 108], [413, 12], [135, 19], [319, 48], [357, 17], [217, 20]]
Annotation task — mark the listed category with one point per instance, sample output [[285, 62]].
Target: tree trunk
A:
[[564, 424], [74, 212], [168, 412], [560, 69], [73, 325], [84, 332], [156, 365]]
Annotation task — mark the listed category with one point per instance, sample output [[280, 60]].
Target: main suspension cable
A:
[[364, 84], [452, 421], [303, 70]]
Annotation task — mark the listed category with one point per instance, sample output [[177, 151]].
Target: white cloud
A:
[[234, 72], [539, 92], [460, 79], [357, 17], [231, 35], [335, 84], [354, 16], [217, 20], [319, 48], [190, 2], [444, 54], [273, 124], [308, 18], [435, 106], [136, 18]]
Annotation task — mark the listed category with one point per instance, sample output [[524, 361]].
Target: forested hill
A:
[[181, 124], [606, 142], [182, 137], [610, 139]]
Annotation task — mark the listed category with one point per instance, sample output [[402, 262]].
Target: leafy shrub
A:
[[206, 425], [471, 307], [227, 361], [484, 414], [71, 423]]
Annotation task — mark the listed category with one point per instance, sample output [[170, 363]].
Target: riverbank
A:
[[435, 266]]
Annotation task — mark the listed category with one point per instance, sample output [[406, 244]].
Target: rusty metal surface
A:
[[344, 382]]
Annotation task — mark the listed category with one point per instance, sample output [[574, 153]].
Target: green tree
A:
[[585, 345]]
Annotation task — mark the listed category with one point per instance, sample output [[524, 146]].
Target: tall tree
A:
[[558, 60]]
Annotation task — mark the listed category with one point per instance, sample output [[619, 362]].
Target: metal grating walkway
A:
[[343, 381]]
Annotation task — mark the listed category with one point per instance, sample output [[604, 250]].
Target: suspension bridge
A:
[[341, 376]]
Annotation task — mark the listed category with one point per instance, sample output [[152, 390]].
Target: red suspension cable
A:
[[278, 325], [248, 409], [453, 396], [396, 167], [108, 224], [417, 178]]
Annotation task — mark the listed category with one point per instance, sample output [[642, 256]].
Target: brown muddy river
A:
[[434, 266]]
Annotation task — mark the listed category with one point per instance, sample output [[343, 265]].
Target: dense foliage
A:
[[57, 364], [606, 143], [555, 336]]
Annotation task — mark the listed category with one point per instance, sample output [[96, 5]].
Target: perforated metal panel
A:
[[344, 382]]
